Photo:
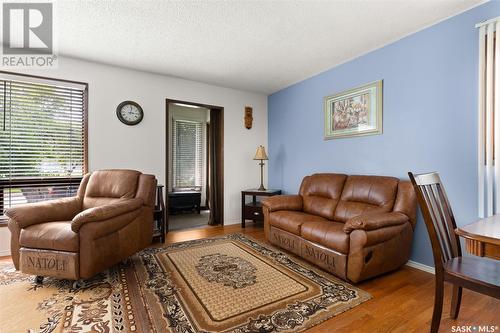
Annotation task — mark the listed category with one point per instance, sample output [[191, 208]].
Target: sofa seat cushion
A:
[[291, 220], [50, 236], [328, 234]]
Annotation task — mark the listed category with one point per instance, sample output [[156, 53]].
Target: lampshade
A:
[[260, 154]]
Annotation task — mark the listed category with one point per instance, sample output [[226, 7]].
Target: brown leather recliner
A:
[[75, 238], [355, 227]]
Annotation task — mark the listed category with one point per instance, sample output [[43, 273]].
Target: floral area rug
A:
[[223, 284]]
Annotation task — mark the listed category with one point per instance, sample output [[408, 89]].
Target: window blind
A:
[[188, 154], [488, 120], [42, 140]]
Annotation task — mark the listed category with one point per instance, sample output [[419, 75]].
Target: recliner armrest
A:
[[372, 221], [46, 211], [105, 212], [283, 202]]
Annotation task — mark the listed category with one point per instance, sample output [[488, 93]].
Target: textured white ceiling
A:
[[260, 46]]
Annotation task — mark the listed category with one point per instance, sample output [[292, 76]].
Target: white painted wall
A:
[[4, 242], [142, 147]]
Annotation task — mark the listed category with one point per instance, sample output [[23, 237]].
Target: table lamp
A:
[[261, 156]]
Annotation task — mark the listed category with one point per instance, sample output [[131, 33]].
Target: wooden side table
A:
[[159, 227], [253, 210]]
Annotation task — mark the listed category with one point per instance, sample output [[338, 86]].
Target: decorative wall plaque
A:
[[248, 117]]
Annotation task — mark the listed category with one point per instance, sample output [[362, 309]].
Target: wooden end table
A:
[[253, 210]]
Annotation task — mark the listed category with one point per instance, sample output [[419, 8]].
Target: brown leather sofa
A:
[[355, 227], [75, 238]]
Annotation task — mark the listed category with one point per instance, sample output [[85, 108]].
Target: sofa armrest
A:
[[46, 211], [105, 212], [283, 202], [372, 221], [377, 251]]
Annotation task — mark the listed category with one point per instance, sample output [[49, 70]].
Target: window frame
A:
[[174, 154], [44, 181]]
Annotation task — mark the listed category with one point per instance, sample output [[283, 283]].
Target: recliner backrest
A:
[[146, 189], [363, 194], [107, 186], [406, 201], [321, 192]]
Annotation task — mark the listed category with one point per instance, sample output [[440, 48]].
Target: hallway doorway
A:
[[194, 165]]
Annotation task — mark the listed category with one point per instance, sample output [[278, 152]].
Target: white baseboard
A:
[[422, 267], [4, 253]]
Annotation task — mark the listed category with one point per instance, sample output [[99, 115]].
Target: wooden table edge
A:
[[476, 237]]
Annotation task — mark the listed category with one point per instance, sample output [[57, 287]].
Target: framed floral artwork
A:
[[354, 112]]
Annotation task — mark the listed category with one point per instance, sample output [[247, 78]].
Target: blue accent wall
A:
[[429, 117]]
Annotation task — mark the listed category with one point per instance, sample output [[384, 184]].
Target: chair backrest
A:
[[107, 186], [438, 217]]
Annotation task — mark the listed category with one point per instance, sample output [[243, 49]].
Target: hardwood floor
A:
[[402, 300]]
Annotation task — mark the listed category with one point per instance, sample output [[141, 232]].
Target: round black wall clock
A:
[[130, 113]]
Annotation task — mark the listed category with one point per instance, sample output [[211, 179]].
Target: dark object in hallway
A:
[[184, 201], [477, 274]]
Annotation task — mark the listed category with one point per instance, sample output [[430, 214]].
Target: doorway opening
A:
[[194, 165]]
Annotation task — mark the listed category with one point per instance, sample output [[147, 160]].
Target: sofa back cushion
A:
[[321, 192], [363, 194], [108, 186]]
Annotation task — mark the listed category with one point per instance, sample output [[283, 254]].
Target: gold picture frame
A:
[[354, 112]]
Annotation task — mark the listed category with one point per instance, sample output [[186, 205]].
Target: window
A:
[[188, 154], [42, 139], [488, 120]]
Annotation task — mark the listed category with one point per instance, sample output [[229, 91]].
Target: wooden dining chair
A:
[[474, 273]]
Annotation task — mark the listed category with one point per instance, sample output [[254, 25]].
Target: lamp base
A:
[[261, 188]]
